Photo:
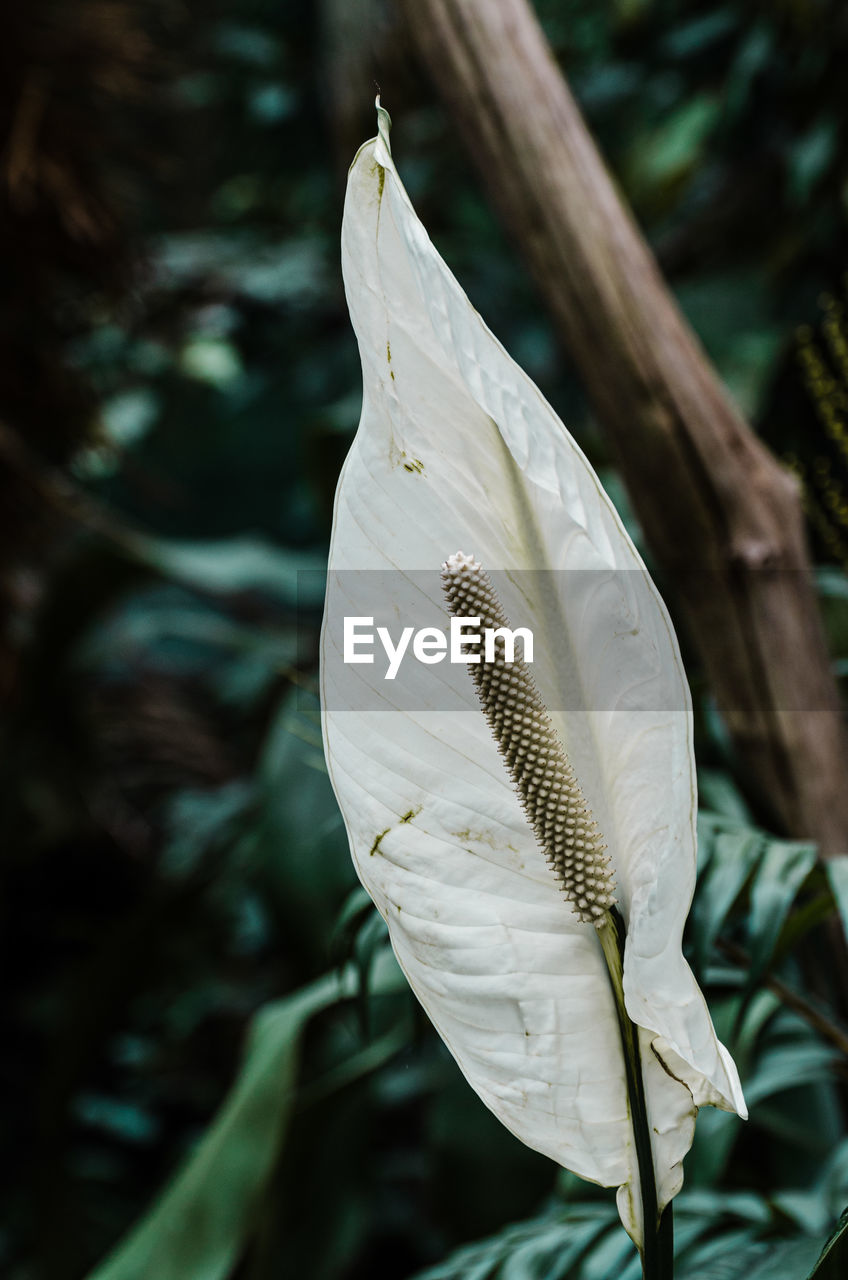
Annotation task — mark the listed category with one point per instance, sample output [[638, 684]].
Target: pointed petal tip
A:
[[384, 124]]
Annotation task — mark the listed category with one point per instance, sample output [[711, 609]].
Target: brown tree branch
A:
[[722, 517]]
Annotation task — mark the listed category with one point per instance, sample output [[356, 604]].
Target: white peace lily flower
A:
[[458, 451]]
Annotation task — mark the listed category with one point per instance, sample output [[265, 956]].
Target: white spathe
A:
[[458, 450]]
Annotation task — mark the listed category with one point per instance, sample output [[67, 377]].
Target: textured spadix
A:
[[547, 788], [457, 448]]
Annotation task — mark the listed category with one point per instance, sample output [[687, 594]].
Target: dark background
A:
[[178, 388]]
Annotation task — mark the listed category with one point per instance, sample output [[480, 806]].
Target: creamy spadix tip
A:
[[547, 786]]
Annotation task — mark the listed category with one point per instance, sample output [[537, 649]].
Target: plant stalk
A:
[[657, 1230]]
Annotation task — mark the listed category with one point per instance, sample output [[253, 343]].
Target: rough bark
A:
[[722, 517]]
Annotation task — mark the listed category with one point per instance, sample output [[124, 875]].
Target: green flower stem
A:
[[658, 1241]]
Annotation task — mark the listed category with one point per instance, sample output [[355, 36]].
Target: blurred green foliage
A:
[[177, 892]]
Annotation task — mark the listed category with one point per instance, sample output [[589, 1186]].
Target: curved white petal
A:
[[457, 450]]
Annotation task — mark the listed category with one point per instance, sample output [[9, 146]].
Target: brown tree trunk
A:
[[722, 517]]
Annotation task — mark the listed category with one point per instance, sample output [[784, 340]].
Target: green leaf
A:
[[786, 1260], [199, 1224], [234, 565], [353, 1068], [756, 1015], [533, 1257], [729, 1257], [833, 1259], [734, 856], [697, 34], [355, 908], [736, 1257], [718, 792], [670, 151], [783, 869], [579, 1239], [787, 1066], [837, 874], [550, 1245], [810, 157], [816, 908], [608, 1258]]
